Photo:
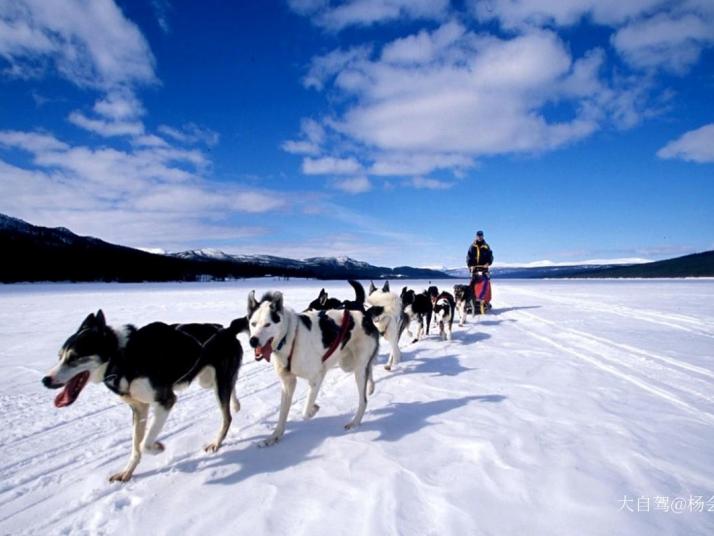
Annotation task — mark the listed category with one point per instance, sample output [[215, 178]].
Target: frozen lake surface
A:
[[570, 405]]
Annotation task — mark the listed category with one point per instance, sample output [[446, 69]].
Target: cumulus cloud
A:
[[356, 185], [91, 44], [329, 165], [694, 146], [443, 98], [425, 183], [341, 14], [106, 128], [145, 196], [190, 133], [312, 137], [670, 42], [325, 67], [650, 34], [521, 13]]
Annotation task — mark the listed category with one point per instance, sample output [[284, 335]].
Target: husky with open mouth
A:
[[144, 366], [309, 344]]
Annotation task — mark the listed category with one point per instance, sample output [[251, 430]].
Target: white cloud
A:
[[161, 10], [440, 99], [666, 41], [300, 147], [330, 165], [313, 134], [106, 128], [336, 16], [356, 185], [425, 183], [694, 146], [119, 106], [649, 33], [148, 196], [92, 44], [149, 140], [424, 46], [396, 163], [522, 13], [323, 68], [191, 133], [33, 142]]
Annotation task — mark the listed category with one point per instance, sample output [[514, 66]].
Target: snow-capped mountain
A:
[[321, 267], [34, 253]]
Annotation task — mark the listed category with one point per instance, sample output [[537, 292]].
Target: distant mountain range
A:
[[694, 265], [33, 253]]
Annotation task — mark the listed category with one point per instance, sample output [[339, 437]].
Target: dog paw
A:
[[212, 447], [310, 413], [156, 448], [122, 476], [351, 425], [272, 440], [387, 367]]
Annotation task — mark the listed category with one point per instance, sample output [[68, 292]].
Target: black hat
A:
[[479, 233]]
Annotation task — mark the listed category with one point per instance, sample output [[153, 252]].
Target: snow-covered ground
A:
[[556, 414]]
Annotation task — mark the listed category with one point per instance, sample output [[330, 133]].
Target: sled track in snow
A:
[[679, 322], [676, 382]]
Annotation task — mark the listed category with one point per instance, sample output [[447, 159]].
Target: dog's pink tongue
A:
[[71, 391], [264, 352]]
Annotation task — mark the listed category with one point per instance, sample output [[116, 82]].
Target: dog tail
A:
[[359, 291], [239, 325]]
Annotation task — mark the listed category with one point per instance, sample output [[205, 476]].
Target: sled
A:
[[481, 284]]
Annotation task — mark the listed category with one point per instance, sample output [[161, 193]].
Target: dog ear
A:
[[276, 302], [372, 288], [101, 322], [385, 288], [404, 291], [252, 303], [88, 322], [323, 297]]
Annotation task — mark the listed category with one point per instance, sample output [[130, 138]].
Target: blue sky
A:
[[386, 130]]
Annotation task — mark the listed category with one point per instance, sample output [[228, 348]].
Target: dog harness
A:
[[331, 350]]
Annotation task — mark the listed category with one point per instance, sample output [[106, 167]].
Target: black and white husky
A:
[[444, 312], [388, 316], [144, 367], [465, 302], [306, 346], [419, 308]]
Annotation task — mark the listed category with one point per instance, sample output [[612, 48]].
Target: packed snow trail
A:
[[538, 418]]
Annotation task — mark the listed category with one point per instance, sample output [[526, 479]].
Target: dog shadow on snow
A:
[[302, 438], [502, 310]]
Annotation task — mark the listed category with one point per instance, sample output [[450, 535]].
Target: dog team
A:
[[147, 366]]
